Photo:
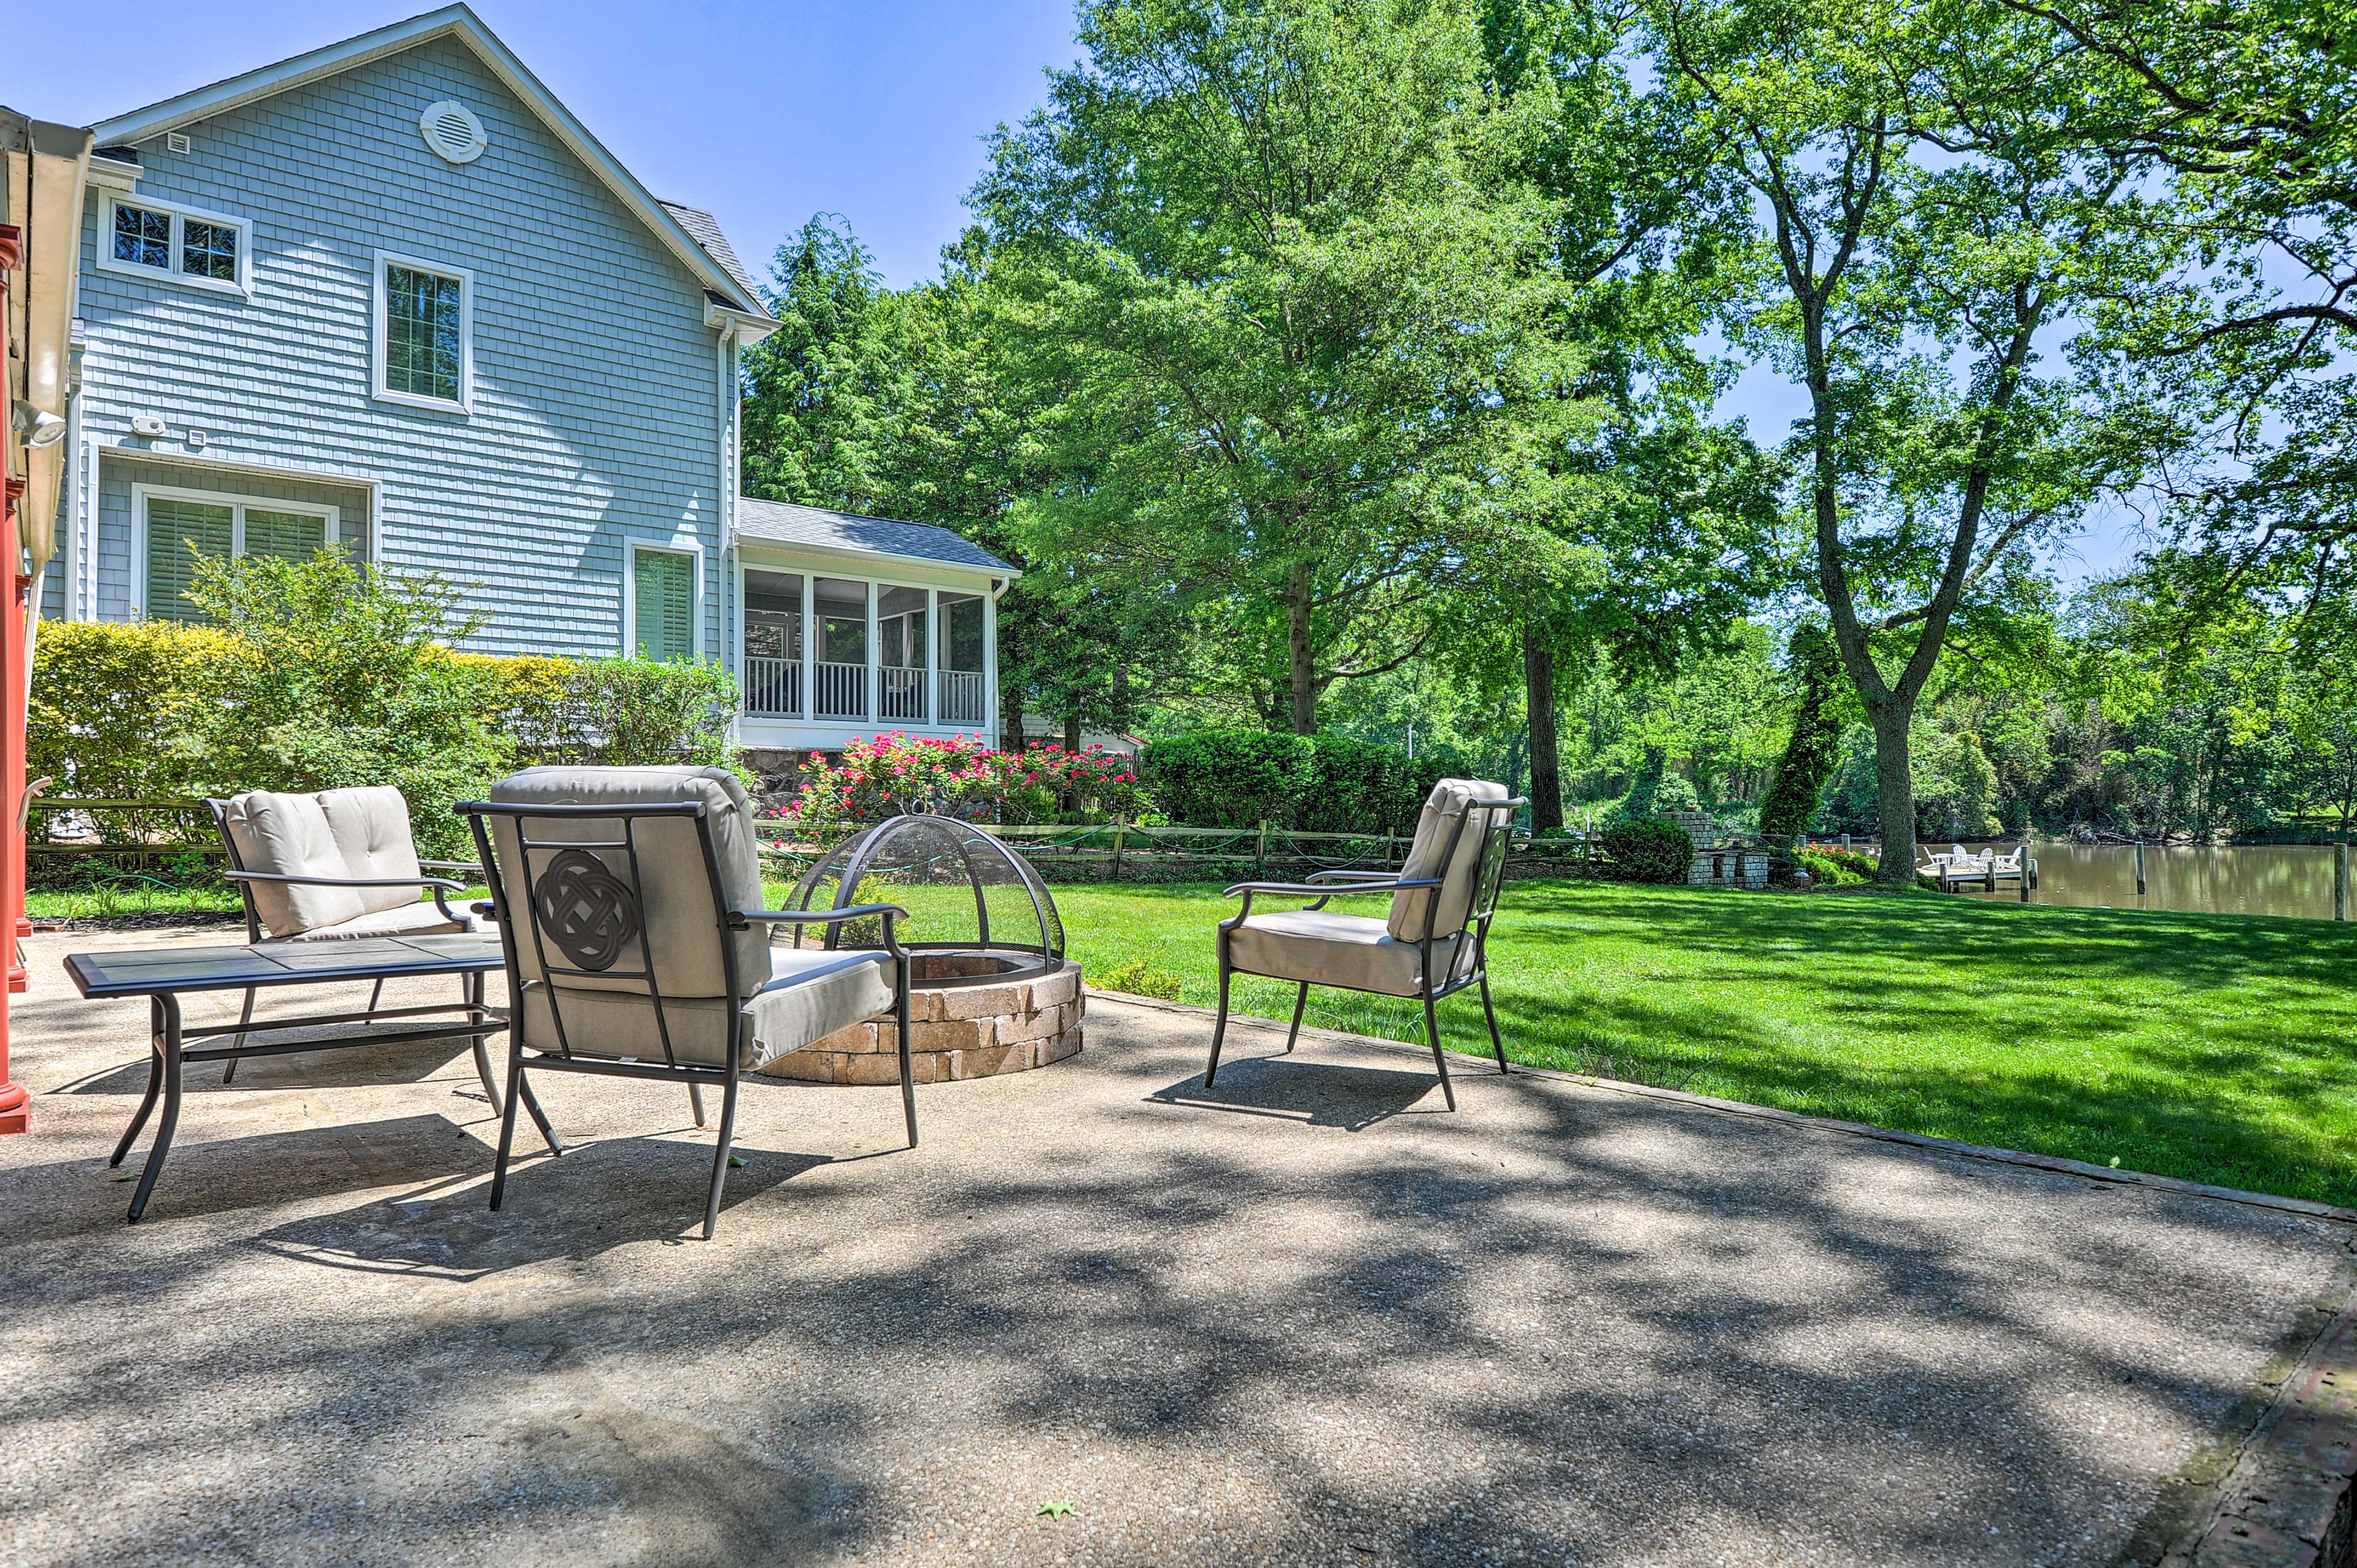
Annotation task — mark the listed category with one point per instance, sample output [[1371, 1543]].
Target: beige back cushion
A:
[[336, 832], [674, 888], [1443, 810]]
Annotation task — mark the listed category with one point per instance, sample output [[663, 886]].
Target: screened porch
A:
[[863, 654]]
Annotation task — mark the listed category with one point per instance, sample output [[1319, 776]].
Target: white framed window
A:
[[175, 528], [662, 602], [142, 237], [425, 334]]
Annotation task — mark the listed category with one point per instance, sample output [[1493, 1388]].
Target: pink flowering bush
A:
[[884, 774]]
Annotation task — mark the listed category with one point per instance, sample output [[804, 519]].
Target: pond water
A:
[[2234, 880]]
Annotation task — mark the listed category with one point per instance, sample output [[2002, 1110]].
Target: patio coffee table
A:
[[163, 974]]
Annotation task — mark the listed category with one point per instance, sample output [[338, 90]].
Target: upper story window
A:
[[146, 237], [424, 333]]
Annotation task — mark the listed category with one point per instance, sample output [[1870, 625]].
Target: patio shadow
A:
[[1299, 1088]]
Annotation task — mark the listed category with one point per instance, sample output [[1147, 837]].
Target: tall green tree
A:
[[1289, 312], [1927, 240]]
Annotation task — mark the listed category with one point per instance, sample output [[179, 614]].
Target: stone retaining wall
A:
[[956, 1032]]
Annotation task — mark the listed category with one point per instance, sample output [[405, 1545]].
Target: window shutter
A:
[[178, 532], [289, 535], [665, 591]]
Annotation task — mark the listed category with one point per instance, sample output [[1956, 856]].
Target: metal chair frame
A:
[[1469, 965], [517, 914], [470, 987]]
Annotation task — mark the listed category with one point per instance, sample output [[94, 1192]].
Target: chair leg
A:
[[908, 1085], [244, 1016], [1439, 1059], [1491, 1013], [518, 1091], [163, 1144], [720, 1157], [1219, 1029], [1299, 1002], [695, 1102], [376, 994]]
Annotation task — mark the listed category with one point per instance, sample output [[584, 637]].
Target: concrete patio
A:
[[1311, 1319]]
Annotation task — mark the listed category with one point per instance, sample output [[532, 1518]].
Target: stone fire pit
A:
[[991, 991]]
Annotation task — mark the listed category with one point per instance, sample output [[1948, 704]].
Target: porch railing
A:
[[773, 687], [841, 691], [901, 692], [962, 698]]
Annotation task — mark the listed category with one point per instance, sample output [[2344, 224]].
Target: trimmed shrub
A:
[[1648, 850], [1359, 786], [1230, 778], [1832, 868], [1798, 789], [319, 674]]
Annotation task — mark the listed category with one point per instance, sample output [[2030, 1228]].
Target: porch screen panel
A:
[[665, 588], [901, 628], [773, 643], [178, 533], [842, 610], [289, 535], [964, 701]]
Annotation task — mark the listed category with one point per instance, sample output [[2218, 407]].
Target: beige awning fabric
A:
[[42, 170]]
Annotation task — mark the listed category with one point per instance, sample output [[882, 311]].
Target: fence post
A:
[[1119, 830], [2028, 873], [1260, 852], [1844, 844], [2340, 880]]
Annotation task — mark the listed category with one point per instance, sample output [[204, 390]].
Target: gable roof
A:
[[816, 528], [727, 281]]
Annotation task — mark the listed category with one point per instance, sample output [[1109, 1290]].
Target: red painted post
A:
[[14, 1113]]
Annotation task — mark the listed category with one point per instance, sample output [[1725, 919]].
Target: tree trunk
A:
[[1894, 789], [1300, 666], [1546, 762], [1010, 716], [1071, 800]]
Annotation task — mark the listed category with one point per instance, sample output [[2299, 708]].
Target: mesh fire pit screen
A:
[[978, 913]]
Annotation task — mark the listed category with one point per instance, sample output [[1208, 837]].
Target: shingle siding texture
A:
[[597, 391]]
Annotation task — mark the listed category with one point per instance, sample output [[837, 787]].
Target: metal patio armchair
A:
[[341, 864], [1434, 944], [629, 901]]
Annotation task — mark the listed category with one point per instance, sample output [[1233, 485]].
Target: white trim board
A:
[[455, 22]]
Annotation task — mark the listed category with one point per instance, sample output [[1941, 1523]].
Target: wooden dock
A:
[[1959, 868]]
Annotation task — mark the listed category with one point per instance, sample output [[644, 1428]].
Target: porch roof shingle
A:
[[783, 522]]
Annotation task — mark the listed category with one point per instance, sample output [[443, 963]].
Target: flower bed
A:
[[882, 776]]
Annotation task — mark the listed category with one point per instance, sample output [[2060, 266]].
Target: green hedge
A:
[[1238, 779], [1648, 850], [322, 674]]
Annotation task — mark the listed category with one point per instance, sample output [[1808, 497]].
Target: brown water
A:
[[2239, 880]]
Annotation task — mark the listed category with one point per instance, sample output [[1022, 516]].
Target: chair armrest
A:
[[1315, 878], [811, 917], [452, 864], [1313, 887], [438, 882]]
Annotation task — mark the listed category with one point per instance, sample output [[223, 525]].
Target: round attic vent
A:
[[452, 131]]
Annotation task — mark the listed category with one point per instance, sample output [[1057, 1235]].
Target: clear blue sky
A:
[[873, 109]]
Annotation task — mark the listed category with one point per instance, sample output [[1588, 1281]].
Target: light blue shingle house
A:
[[392, 294]]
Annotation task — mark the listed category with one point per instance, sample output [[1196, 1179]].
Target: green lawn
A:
[[2208, 1046], [2212, 1048]]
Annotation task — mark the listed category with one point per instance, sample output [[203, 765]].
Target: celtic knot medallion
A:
[[586, 911]]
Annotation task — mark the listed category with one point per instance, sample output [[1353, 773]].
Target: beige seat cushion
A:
[[336, 832], [814, 994], [423, 919], [1355, 952], [1435, 828]]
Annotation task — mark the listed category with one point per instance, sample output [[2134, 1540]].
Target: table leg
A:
[[155, 1080], [169, 1007], [472, 985]]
